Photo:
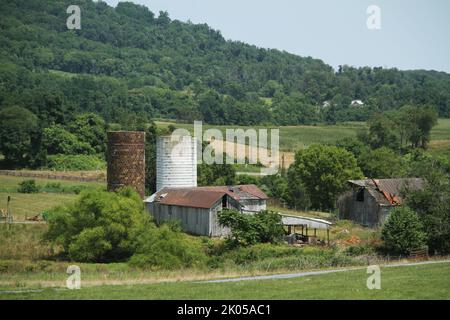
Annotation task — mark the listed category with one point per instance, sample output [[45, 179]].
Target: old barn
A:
[[197, 208], [369, 201]]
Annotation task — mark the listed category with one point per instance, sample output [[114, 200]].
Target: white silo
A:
[[176, 162]]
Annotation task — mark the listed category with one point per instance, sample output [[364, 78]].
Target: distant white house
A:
[[357, 103], [326, 104]]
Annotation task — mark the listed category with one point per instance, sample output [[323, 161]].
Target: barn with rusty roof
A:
[[369, 201], [179, 198], [197, 208]]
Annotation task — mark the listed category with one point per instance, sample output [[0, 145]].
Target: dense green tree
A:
[[57, 140], [381, 163], [403, 231], [90, 128], [433, 205], [98, 227], [382, 133], [353, 145], [125, 59], [17, 126], [324, 171]]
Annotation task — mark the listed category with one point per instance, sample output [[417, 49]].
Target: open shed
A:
[[307, 226]]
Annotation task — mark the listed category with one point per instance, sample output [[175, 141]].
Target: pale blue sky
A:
[[414, 33]]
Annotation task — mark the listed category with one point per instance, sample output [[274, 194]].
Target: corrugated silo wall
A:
[[176, 162], [126, 160]]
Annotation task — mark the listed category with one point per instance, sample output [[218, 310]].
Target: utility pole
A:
[[9, 217]]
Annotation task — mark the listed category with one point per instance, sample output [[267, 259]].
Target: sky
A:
[[413, 34]]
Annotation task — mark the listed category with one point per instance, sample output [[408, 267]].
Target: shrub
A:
[[62, 162], [165, 248], [403, 231], [248, 229], [28, 186], [57, 187], [108, 227], [98, 226]]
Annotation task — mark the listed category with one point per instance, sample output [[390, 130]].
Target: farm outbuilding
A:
[[369, 201], [197, 208]]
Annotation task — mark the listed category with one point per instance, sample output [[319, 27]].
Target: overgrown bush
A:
[[403, 231], [28, 186], [248, 229], [110, 227], [98, 226], [61, 162], [165, 248]]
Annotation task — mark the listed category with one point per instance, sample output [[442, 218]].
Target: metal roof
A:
[[387, 191], [205, 197], [241, 192], [187, 197], [312, 223]]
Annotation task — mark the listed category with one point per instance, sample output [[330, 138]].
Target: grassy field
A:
[[26, 205], [291, 137], [296, 137], [406, 282], [441, 131]]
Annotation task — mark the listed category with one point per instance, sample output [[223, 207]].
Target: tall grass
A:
[[22, 241]]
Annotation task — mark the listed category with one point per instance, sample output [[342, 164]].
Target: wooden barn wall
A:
[[367, 213], [253, 205], [193, 220]]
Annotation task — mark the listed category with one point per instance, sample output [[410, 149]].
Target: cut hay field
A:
[[296, 137], [404, 282]]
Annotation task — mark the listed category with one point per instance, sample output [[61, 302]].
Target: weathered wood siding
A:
[[367, 212], [197, 221], [192, 220], [253, 205]]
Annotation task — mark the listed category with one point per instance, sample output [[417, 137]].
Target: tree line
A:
[[126, 62]]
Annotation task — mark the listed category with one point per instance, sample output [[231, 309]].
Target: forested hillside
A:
[[128, 64]]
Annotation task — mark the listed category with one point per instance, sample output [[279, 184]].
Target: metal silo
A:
[[126, 160], [176, 162]]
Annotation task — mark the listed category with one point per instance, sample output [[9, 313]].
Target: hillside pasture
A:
[[23, 205]]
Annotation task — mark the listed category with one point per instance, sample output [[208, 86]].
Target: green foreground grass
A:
[[407, 282]]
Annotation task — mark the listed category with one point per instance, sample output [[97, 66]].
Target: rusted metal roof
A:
[[205, 197], [188, 197], [241, 192], [387, 191]]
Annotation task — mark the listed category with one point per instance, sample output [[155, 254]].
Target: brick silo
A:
[[126, 160]]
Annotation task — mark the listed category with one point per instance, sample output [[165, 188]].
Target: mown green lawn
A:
[[412, 282]]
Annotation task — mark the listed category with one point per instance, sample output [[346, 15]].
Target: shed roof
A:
[[205, 197], [312, 223], [187, 197], [240, 192], [387, 191]]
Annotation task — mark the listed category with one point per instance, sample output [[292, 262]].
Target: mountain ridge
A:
[[126, 62]]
